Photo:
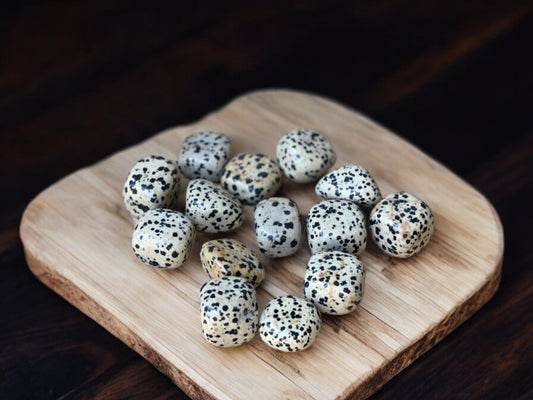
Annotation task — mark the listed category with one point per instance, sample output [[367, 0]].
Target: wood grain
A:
[[76, 236]]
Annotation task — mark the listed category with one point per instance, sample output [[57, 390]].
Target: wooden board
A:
[[77, 235]]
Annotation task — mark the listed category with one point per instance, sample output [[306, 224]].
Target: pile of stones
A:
[[336, 228]]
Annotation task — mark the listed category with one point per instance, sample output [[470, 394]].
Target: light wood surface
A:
[[77, 234]]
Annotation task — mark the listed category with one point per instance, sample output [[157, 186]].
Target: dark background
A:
[[80, 80]]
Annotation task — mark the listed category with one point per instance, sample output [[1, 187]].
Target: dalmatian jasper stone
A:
[[336, 225], [204, 154], [229, 257], [350, 182], [304, 155], [401, 224], [277, 227], [163, 238], [335, 282], [229, 311], [289, 323], [153, 182], [211, 208], [251, 177]]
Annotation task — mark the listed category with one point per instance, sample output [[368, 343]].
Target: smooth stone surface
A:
[[212, 208], [251, 177], [204, 154], [304, 155], [278, 229], [289, 323], [336, 225], [153, 182], [163, 238], [229, 257], [334, 282], [401, 224], [229, 311], [350, 182]]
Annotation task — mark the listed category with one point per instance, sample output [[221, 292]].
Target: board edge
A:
[[104, 318]]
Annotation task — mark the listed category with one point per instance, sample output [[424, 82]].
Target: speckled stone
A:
[[251, 177], [212, 208], [278, 229], [204, 154], [153, 182], [229, 311], [336, 225], [350, 182], [304, 155], [401, 224], [289, 323], [163, 238], [229, 257], [335, 282]]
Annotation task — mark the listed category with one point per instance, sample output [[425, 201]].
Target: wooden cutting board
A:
[[77, 235]]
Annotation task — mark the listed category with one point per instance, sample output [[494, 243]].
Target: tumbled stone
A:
[[153, 182], [304, 155], [229, 311], [334, 282], [251, 177], [289, 323], [204, 154], [350, 182], [229, 257], [212, 208], [336, 225], [401, 224], [277, 227], [163, 238]]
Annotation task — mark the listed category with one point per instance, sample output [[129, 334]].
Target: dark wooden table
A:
[[79, 81]]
